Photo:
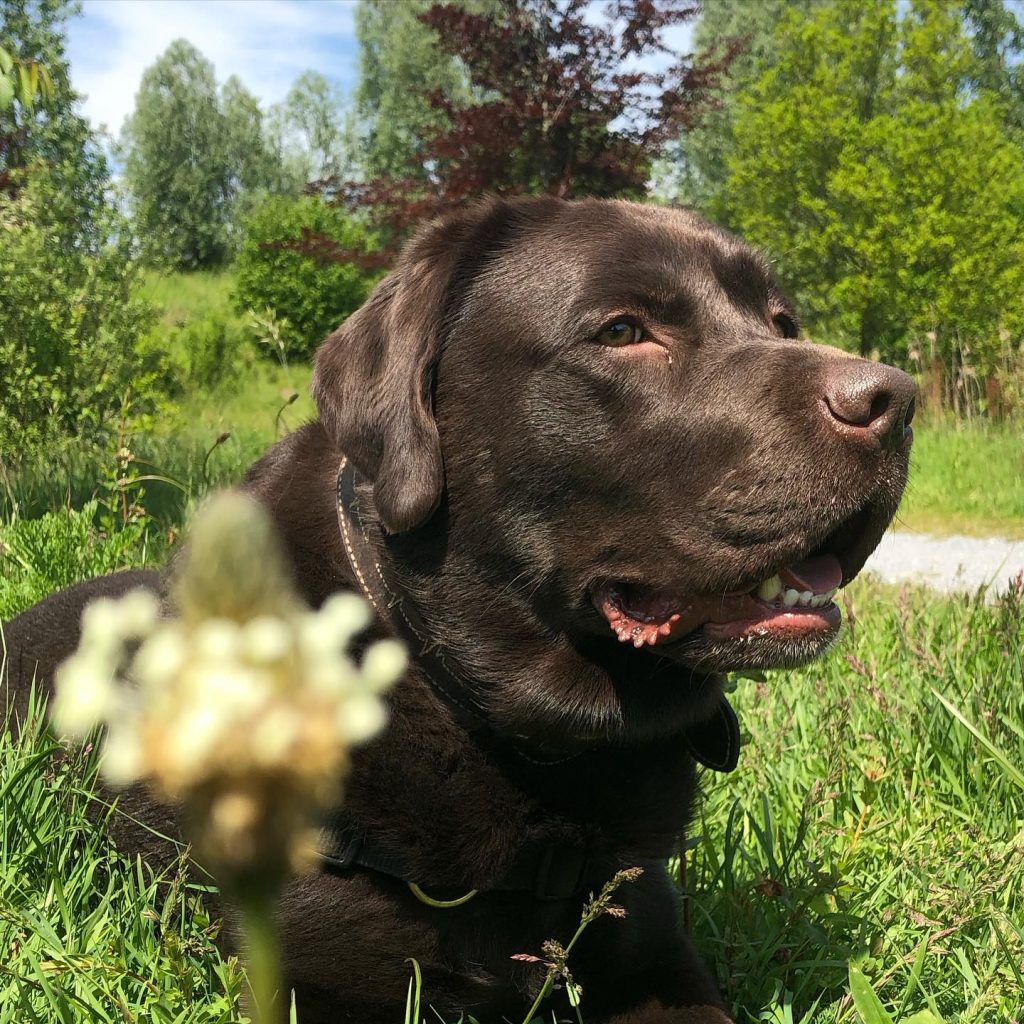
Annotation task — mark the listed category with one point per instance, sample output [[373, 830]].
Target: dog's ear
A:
[[373, 379]]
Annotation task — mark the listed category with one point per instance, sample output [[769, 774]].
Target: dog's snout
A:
[[870, 397]]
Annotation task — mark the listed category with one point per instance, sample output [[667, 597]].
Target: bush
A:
[[40, 556], [198, 352], [69, 319], [313, 295]]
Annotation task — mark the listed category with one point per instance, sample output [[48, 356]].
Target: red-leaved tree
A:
[[567, 100]]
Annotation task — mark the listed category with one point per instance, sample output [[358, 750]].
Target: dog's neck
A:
[[552, 696]]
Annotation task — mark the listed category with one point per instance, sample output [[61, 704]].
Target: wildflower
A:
[[241, 708]]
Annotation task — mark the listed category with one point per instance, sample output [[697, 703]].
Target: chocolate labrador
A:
[[578, 457]]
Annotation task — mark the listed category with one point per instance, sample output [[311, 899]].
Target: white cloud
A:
[[267, 43]]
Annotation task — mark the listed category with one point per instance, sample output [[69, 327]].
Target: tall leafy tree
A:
[[883, 180], [401, 67], [44, 125], [745, 32], [250, 161], [997, 38], [177, 161], [557, 103], [69, 317]]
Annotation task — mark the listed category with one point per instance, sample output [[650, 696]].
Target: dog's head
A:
[[630, 441]]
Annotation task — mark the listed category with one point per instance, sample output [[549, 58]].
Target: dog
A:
[[579, 459]]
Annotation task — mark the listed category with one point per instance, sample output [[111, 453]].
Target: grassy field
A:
[[867, 823], [966, 478]]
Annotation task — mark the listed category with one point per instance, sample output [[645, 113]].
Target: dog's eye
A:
[[786, 325], [620, 332]]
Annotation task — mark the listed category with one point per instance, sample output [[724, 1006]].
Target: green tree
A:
[[49, 130], [997, 38], [69, 319], [312, 133], [177, 166], [699, 168], [883, 181], [250, 161], [400, 68]]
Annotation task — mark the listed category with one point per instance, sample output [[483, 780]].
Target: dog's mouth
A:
[[786, 618], [794, 603]]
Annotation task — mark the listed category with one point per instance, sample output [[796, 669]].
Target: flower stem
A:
[[263, 966]]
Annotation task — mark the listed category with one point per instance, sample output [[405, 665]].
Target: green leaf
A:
[[6, 92], [869, 1006], [26, 94], [924, 1017], [6, 62], [1012, 773]]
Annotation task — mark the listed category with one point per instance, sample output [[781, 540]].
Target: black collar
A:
[[714, 743]]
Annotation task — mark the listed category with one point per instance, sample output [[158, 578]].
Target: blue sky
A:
[[267, 43]]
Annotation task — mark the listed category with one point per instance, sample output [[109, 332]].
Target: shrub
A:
[[312, 295], [200, 351], [39, 556], [68, 320]]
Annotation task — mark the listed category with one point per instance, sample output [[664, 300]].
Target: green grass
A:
[[183, 296], [966, 478], [86, 934], [866, 823], [182, 453]]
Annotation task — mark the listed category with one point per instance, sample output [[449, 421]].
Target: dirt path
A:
[[947, 563]]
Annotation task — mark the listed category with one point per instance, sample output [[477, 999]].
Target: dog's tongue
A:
[[818, 575]]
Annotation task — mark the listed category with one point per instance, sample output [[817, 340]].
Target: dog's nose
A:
[[871, 397]]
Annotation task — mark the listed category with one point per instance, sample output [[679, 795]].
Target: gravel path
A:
[[947, 563]]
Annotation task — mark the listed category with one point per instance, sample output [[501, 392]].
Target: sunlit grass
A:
[[966, 478]]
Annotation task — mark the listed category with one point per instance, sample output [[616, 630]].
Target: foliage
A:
[[50, 131], [68, 322], [23, 81], [189, 155], [311, 294], [887, 188], [401, 67], [557, 104], [200, 340], [698, 166], [997, 39], [39, 556]]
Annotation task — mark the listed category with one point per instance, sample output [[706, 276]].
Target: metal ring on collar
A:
[[440, 904]]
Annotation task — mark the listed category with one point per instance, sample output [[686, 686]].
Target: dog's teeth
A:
[[790, 597], [818, 600], [638, 641], [614, 615], [674, 617], [805, 597], [770, 589], [665, 628]]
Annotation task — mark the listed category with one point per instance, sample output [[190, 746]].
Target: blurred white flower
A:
[[242, 707]]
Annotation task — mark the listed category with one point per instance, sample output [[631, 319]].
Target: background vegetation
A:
[[160, 297]]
